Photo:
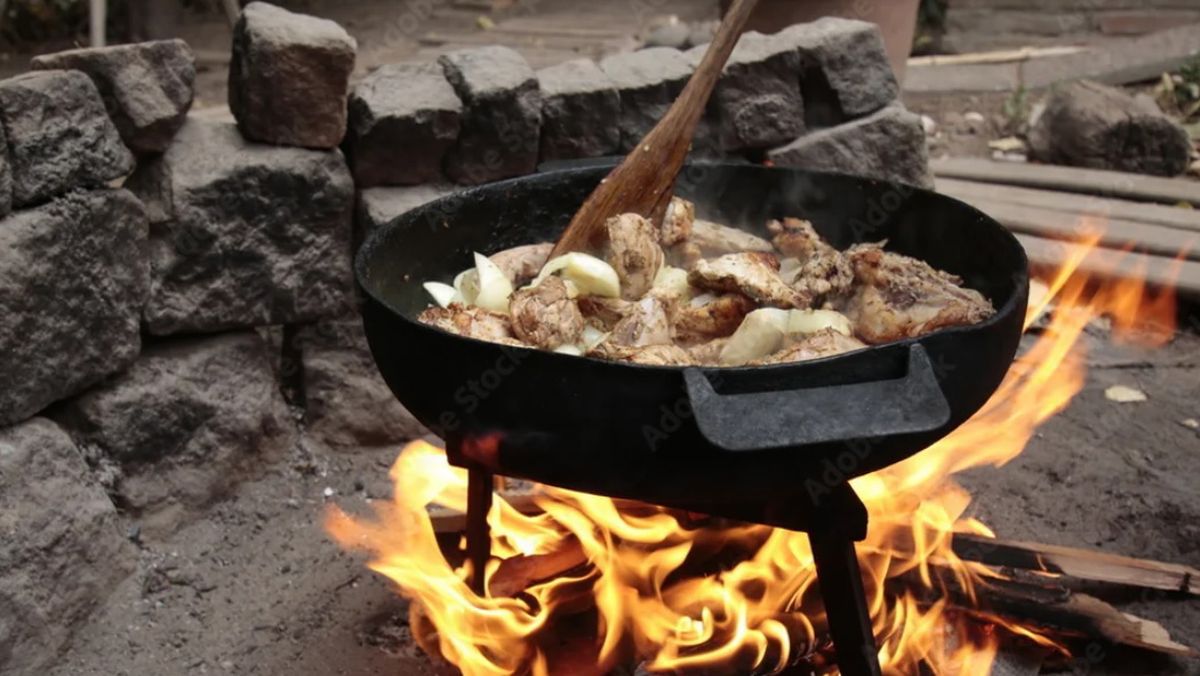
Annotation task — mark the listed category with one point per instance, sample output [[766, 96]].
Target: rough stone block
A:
[[502, 115], [403, 120], [846, 68], [758, 97], [73, 280], [377, 206], [6, 186], [192, 418], [580, 109], [289, 77], [888, 145], [59, 135], [346, 402], [648, 81], [61, 545], [147, 87], [249, 234]]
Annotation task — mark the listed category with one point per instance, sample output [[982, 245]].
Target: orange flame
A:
[[759, 611]]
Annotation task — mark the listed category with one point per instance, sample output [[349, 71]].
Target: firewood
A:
[[1080, 564], [447, 520], [518, 573]]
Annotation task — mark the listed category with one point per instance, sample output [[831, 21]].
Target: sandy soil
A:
[[257, 588]]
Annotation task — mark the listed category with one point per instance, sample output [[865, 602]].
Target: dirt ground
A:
[[257, 588]]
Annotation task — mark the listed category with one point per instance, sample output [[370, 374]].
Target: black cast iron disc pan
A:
[[750, 443]]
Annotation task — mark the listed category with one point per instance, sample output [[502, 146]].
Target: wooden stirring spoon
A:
[[645, 180]]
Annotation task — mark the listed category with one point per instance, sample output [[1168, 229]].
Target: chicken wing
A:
[[522, 263], [634, 252], [545, 315], [716, 317], [677, 222], [470, 321], [754, 274], [646, 323], [898, 297], [822, 272]]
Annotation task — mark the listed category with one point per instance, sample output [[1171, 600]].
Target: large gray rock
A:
[[289, 77], [501, 118], [847, 73], [147, 87], [73, 280], [191, 419], [888, 145], [59, 135], [648, 81], [248, 234], [6, 185], [1088, 124], [61, 545], [758, 97], [403, 119], [346, 402], [580, 110], [377, 206]]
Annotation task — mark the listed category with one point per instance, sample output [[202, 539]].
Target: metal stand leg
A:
[[841, 585], [480, 484]]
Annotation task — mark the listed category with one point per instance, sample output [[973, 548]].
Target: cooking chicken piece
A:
[[634, 253], [545, 315], [716, 317], [653, 355], [677, 222], [684, 254], [602, 312], [522, 263], [823, 343], [898, 297], [752, 273], [823, 273], [707, 354], [715, 239], [470, 321], [646, 323]]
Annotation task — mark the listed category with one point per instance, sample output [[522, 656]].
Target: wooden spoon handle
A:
[[645, 180]]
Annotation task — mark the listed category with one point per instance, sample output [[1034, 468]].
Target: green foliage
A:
[[1179, 93], [1016, 111]]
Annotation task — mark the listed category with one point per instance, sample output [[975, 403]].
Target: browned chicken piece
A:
[[715, 239], [824, 343], [898, 297], [545, 315], [634, 253], [677, 222], [604, 313], [709, 353], [647, 323], [823, 274], [719, 317], [472, 322], [752, 273], [684, 254], [522, 263], [652, 355]]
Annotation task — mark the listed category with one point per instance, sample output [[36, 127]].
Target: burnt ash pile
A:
[[197, 326]]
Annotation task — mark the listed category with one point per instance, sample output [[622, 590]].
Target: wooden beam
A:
[[1071, 179], [1080, 564], [1140, 212], [1158, 271], [98, 19], [1115, 233]]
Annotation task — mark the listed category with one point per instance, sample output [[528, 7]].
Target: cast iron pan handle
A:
[[791, 418]]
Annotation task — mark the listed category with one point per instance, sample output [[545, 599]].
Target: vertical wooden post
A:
[[98, 16], [480, 485]]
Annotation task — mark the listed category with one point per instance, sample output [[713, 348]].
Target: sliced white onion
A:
[[812, 321], [494, 286], [592, 276], [788, 267], [573, 350], [671, 282], [443, 294], [760, 334], [467, 285], [592, 337], [703, 299]]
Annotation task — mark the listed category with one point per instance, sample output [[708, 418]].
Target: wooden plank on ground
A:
[[1071, 179], [1079, 564], [1158, 271], [1115, 233], [1140, 212]]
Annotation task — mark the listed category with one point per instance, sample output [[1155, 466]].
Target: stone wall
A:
[[975, 25], [179, 309]]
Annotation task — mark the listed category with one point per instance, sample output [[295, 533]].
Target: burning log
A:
[[1080, 564]]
